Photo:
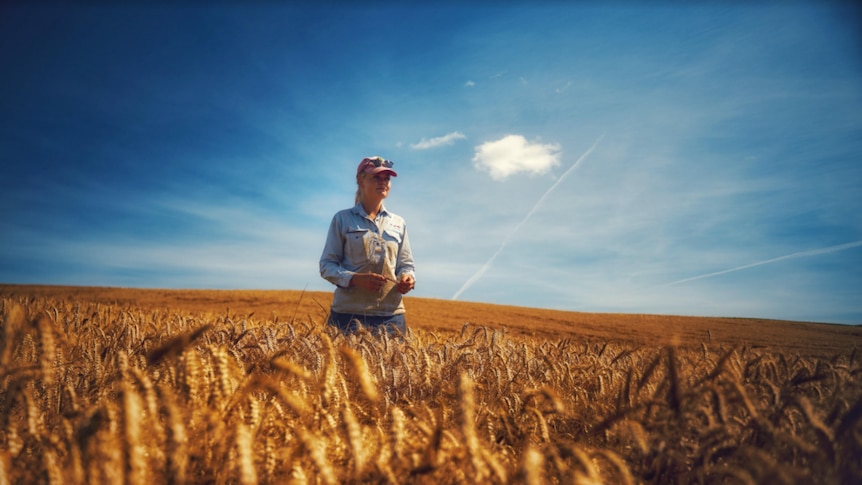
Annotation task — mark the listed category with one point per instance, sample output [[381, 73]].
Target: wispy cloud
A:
[[514, 154], [801, 254], [447, 139], [469, 84]]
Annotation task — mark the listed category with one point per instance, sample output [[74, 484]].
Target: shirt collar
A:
[[359, 210]]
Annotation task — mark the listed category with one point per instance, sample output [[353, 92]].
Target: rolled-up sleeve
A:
[[333, 253], [404, 264]]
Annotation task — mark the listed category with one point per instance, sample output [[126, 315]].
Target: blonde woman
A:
[[367, 256]]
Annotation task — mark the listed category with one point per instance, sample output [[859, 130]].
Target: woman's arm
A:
[[404, 268], [333, 253]]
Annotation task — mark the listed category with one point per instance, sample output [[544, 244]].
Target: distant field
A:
[[109, 385], [446, 315]]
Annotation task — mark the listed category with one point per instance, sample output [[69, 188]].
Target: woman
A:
[[367, 256]]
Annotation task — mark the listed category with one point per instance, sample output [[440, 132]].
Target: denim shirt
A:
[[357, 244]]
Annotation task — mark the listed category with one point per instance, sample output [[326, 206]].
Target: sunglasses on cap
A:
[[377, 162], [374, 165]]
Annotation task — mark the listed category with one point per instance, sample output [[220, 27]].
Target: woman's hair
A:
[[358, 189]]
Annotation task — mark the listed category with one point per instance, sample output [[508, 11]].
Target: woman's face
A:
[[376, 186]]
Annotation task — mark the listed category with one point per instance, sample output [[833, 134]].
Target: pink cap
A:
[[373, 165]]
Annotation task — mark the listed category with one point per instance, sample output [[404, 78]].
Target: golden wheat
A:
[[97, 393]]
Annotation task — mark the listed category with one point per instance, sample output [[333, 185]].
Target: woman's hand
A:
[[406, 284], [372, 282]]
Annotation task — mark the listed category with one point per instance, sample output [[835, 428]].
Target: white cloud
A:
[[446, 139], [513, 154], [469, 84]]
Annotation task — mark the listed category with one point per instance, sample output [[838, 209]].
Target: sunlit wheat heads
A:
[[95, 393]]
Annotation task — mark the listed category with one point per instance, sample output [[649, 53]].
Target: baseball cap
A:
[[373, 165]]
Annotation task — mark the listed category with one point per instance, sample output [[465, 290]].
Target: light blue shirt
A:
[[357, 244]]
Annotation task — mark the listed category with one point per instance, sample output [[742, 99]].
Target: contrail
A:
[[487, 265], [801, 254]]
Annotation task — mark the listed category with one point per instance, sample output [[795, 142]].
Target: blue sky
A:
[[695, 160]]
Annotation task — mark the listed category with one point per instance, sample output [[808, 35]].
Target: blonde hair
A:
[[358, 197]]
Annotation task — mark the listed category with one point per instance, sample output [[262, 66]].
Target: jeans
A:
[[348, 323]]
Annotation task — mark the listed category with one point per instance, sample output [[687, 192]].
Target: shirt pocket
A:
[[392, 242], [356, 247], [391, 235]]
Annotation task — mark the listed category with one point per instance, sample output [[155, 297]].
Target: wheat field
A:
[[103, 389]]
